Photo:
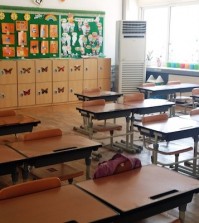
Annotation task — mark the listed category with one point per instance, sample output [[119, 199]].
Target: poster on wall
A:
[[8, 39], [81, 36], [53, 31], [8, 27], [21, 26], [22, 51], [44, 31], [22, 38], [8, 51], [54, 47], [34, 30], [44, 47], [34, 46]]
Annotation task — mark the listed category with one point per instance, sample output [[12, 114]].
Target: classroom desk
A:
[[64, 204], [172, 129], [104, 112], [167, 89], [106, 95], [53, 150], [9, 161], [148, 106], [143, 192], [17, 124]]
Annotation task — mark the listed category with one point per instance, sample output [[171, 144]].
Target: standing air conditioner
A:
[[130, 55]]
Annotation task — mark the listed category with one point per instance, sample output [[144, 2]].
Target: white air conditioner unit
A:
[[130, 55]]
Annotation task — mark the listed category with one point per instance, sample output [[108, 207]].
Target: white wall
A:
[[142, 3], [112, 9]]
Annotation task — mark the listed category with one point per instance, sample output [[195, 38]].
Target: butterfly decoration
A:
[[60, 68], [44, 69], [7, 71], [60, 90], [26, 70], [26, 92], [2, 95], [77, 67], [44, 91]]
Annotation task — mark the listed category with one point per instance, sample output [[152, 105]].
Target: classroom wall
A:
[[112, 9]]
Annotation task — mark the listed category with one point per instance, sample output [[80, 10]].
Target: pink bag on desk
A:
[[117, 164]]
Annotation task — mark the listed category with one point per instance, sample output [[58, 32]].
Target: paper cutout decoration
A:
[[60, 68], [14, 16], [61, 90], [34, 30], [8, 39], [22, 38], [2, 15], [51, 17], [26, 70], [7, 71], [21, 25], [34, 47], [27, 92], [44, 31], [53, 46], [44, 69], [44, 47], [8, 51], [22, 51], [38, 2], [7, 27], [44, 91]]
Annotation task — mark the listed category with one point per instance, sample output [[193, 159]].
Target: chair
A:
[[29, 187], [165, 148], [92, 90], [7, 113], [63, 171], [195, 92], [105, 126], [194, 111], [148, 84], [180, 99]]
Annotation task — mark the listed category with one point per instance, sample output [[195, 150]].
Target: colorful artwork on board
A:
[[22, 51], [8, 39], [21, 25], [34, 30], [44, 31], [53, 31], [44, 47], [34, 46], [53, 46], [8, 51], [7, 27], [22, 38]]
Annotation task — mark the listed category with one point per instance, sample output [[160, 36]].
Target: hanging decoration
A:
[[2, 16], [14, 16], [38, 2]]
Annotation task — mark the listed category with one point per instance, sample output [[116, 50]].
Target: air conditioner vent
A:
[[136, 28]]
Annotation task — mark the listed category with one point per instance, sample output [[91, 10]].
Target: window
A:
[[173, 35]]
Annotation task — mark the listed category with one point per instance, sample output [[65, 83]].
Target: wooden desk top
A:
[[51, 145], [9, 155], [17, 119], [174, 124], [99, 94], [176, 87], [56, 205], [149, 103], [136, 188]]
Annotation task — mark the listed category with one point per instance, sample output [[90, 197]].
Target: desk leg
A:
[[182, 210], [155, 150], [88, 164], [195, 154], [15, 176]]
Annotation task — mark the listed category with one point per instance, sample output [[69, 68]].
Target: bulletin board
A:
[[50, 33]]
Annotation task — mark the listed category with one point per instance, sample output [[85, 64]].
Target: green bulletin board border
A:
[[57, 12]]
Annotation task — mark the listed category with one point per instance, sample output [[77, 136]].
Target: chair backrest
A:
[[194, 111], [148, 84], [154, 118], [7, 113], [133, 97], [92, 90], [173, 82], [29, 187], [195, 91], [42, 134], [93, 103]]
